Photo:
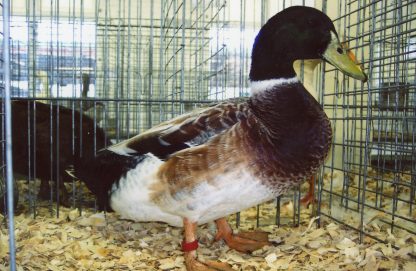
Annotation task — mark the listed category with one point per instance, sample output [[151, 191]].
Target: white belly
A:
[[209, 200], [226, 194], [131, 198]]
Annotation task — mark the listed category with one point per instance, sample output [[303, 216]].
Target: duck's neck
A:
[[283, 106], [257, 87], [265, 66], [305, 74]]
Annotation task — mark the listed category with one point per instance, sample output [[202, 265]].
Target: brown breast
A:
[[282, 139]]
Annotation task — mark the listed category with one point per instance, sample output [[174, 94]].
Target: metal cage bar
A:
[[372, 168], [7, 144]]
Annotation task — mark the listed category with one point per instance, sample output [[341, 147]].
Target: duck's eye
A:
[[340, 51]]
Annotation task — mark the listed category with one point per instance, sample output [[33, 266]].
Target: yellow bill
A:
[[343, 59]]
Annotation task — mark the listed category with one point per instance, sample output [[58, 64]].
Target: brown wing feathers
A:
[[192, 129]]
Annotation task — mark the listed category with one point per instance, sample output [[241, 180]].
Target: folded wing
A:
[[187, 130]]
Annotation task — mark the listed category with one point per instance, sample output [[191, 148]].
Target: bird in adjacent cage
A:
[[47, 138], [221, 159]]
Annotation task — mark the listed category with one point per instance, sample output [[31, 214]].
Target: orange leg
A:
[[192, 264], [243, 242], [310, 196]]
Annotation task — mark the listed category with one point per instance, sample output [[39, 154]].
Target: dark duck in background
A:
[[46, 140], [218, 160]]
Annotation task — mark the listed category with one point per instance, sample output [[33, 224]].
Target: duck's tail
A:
[[101, 172]]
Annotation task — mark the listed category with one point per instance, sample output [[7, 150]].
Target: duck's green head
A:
[[299, 33]]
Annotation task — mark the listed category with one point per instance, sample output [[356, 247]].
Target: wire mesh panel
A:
[[118, 66], [124, 67], [369, 181], [7, 196], [93, 73], [2, 136], [128, 65]]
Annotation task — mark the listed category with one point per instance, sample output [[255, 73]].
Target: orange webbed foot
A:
[[245, 241], [192, 264]]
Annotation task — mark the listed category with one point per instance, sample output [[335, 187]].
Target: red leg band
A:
[[186, 247]]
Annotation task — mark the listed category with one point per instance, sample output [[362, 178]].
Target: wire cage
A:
[[128, 66], [3, 141], [371, 171], [8, 195], [125, 66]]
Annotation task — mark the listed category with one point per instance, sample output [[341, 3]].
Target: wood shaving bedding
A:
[[96, 241]]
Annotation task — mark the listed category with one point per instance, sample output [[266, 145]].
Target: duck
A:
[[217, 160], [46, 139]]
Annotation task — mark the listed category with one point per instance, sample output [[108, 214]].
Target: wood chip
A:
[[316, 233], [311, 222], [96, 220], [73, 214], [345, 243], [271, 258], [409, 266], [388, 265], [315, 244], [404, 252], [237, 258], [386, 249], [282, 264], [352, 253], [167, 263]]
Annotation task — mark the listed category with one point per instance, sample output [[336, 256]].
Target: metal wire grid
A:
[[209, 73], [131, 76], [140, 64], [135, 72], [146, 62], [3, 203], [6, 161], [164, 43], [129, 93], [375, 123]]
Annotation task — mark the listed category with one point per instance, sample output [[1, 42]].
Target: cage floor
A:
[[94, 241]]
